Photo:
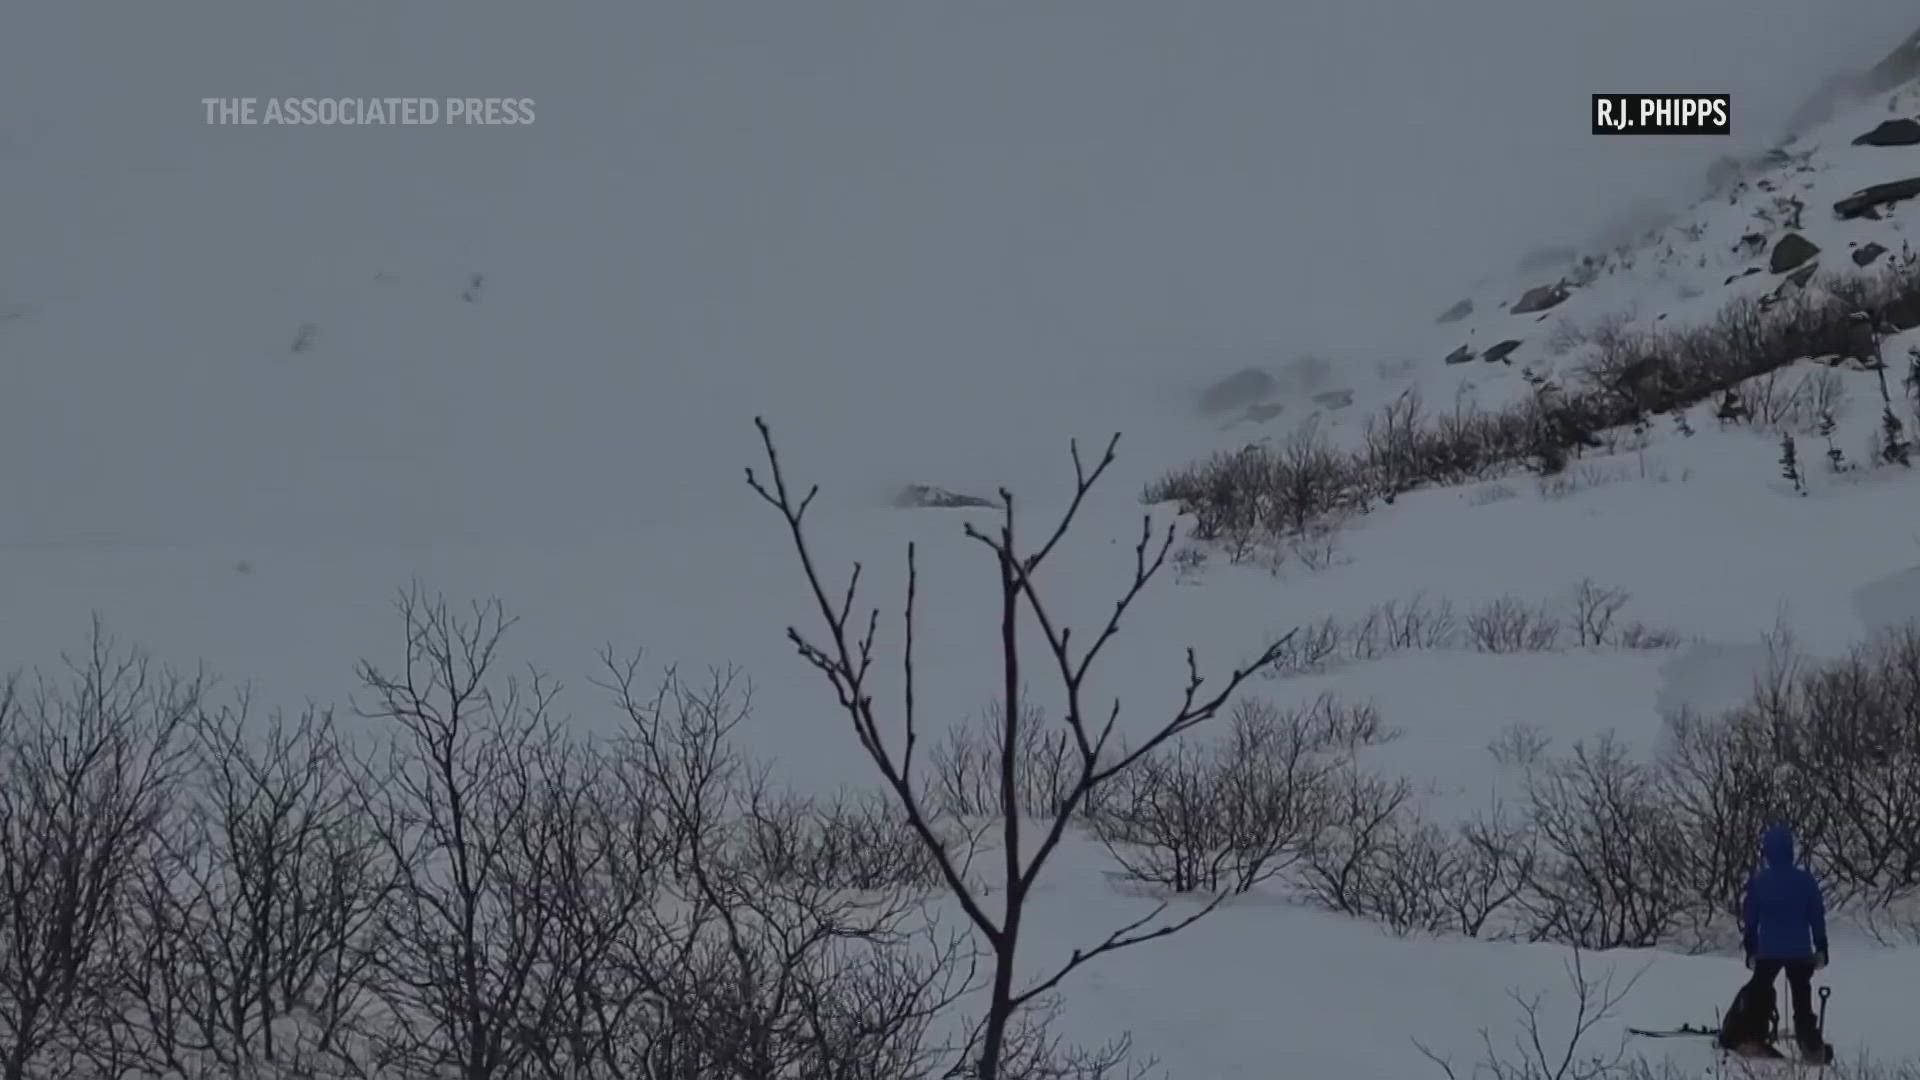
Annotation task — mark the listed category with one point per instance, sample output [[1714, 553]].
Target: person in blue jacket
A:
[[1784, 928]]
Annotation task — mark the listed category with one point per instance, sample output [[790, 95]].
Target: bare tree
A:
[[462, 807], [754, 963], [265, 898], [847, 661], [86, 771], [1609, 872]]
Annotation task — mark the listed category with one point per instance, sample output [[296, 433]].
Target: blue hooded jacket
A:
[[1784, 916]]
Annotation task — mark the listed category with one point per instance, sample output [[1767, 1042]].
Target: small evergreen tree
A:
[[1894, 448], [1836, 460], [1790, 463]]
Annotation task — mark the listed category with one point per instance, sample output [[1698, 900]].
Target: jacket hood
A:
[[1777, 845]]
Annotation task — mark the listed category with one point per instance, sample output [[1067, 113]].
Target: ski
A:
[[1681, 1032]]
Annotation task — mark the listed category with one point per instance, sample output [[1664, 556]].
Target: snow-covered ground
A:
[[254, 381]]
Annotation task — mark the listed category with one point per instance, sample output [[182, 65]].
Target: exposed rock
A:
[[1866, 253], [1866, 201], [1902, 132], [1753, 242], [1501, 351], [1792, 250], [1260, 414], [1460, 355], [1457, 312], [1799, 278], [1334, 399], [1539, 298], [926, 495], [1237, 391], [1748, 272], [1901, 314]]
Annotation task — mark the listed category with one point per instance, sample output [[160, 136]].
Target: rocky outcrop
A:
[[1455, 313], [1539, 298], [1867, 201], [1460, 355], [1866, 253], [1792, 250], [1902, 132], [1500, 352], [915, 496]]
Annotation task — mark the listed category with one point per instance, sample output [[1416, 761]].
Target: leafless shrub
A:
[[1718, 787], [758, 941], [1608, 873], [1772, 402], [1857, 744], [1317, 547], [1348, 856], [88, 770], [1308, 482], [1594, 609], [1392, 442], [857, 841], [1510, 625], [1519, 745], [1308, 650], [260, 906], [966, 766], [1413, 624], [1242, 811], [1824, 392]]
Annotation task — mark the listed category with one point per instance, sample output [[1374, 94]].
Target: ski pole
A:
[[1826, 1048]]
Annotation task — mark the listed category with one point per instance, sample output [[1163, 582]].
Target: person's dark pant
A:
[[1806, 1025]]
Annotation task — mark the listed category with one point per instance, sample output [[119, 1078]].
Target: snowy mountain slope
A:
[[445, 463], [1713, 253]]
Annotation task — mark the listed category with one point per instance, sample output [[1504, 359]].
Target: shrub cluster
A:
[[1264, 491], [1589, 618], [1603, 849], [190, 889]]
